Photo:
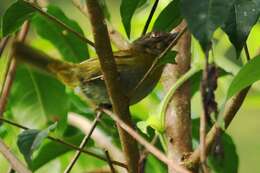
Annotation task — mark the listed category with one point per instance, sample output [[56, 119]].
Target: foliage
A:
[[36, 94]]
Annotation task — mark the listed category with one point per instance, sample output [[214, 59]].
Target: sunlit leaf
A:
[[204, 17], [169, 18], [71, 47], [38, 95], [247, 75], [127, 10], [15, 16], [242, 17]]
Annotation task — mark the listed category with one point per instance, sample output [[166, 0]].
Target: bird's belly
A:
[[96, 89]]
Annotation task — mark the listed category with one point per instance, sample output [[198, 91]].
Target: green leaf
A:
[[204, 17], [154, 165], [71, 47], [15, 16], [127, 10], [55, 150], [242, 17], [227, 160], [247, 75], [29, 140], [37, 95], [168, 58], [169, 18]]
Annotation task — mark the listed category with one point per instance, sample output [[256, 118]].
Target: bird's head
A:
[[154, 42]]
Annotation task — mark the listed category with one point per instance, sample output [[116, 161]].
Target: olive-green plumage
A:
[[132, 65]]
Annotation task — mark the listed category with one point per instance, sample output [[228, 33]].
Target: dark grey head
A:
[[154, 42]]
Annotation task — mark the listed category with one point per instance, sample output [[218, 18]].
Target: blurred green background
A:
[[244, 128]]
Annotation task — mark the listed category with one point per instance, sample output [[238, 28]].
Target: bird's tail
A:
[[64, 71]]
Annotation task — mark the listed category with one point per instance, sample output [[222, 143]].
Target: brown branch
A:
[[109, 162], [153, 150], [12, 159], [60, 23], [232, 106], [11, 68], [60, 141], [119, 101], [156, 2], [115, 36], [3, 44], [178, 120], [83, 144]]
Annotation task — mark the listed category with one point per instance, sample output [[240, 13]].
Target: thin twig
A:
[[156, 60], [83, 144], [231, 108], [60, 141], [247, 52], [153, 150], [12, 159], [3, 44], [119, 100], [109, 162], [205, 114], [11, 68], [59, 22], [150, 17], [120, 42]]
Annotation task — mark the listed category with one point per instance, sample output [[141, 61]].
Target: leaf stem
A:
[[63, 25], [150, 17], [83, 144], [195, 68]]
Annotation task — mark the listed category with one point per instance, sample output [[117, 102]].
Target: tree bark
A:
[[178, 120]]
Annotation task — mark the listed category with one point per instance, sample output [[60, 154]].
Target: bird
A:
[[132, 64]]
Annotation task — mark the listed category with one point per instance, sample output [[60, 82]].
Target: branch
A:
[[3, 44], [109, 162], [146, 144], [60, 141], [120, 42], [119, 101], [11, 68], [60, 23], [83, 144], [150, 17], [232, 106], [16, 164], [178, 120]]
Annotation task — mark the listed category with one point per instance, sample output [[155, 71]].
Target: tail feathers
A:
[[62, 70]]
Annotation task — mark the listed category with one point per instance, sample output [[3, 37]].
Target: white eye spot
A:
[[253, 10], [245, 13]]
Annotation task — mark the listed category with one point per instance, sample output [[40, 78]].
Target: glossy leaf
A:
[[169, 18], [247, 75], [204, 17], [38, 95], [29, 140], [127, 10], [15, 16], [71, 47], [242, 17]]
